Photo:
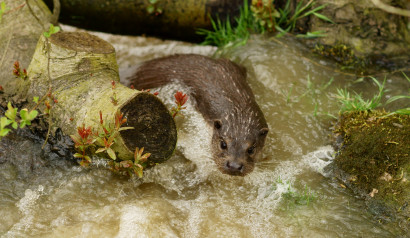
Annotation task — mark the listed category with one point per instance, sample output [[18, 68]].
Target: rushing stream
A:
[[289, 194]]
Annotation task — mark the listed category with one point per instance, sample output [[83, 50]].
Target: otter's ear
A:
[[217, 124], [263, 131]]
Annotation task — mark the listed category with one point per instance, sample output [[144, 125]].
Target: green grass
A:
[[287, 22], [355, 102], [260, 20], [224, 33]]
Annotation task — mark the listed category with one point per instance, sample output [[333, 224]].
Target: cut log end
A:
[[82, 42], [154, 128]]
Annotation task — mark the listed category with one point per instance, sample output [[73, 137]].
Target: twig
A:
[[390, 9], [56, 12]]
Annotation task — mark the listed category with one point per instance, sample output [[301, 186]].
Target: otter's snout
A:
[[234, 167]]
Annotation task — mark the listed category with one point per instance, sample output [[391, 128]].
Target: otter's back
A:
[[216, 84]]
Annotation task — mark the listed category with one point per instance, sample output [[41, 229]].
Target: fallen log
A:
[[79, 70], [178, 19]]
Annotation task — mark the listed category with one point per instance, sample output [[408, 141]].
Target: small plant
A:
[[24, 118], [352, 103], [82, 141], [153, 9], [52, 30], [260, 17], [18, 72], [16, 119], [180, 100], [265, 14], [224, 33], [132, 167], [356, 102], [286, 22], [86, 140], [106, 138]]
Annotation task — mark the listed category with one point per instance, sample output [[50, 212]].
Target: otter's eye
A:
[[251, 150], [224, 146], [263, 132]]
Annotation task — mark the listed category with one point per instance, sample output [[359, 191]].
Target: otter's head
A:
[[237, 144]]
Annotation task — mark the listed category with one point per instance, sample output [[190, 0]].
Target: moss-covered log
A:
[[176, 19], [80, 68], [20, 27]]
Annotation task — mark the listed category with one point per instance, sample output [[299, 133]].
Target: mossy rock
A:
[[373, 160], [371, 33]]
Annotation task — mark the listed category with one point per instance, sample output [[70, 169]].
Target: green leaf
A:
[[4, 132], [24, 114], [150, 9], [11, 112], [99, 141], [314, 34], [403, 111], [323, 17], [24, 123], [52, 30], [138, 171], [408, 79], [100, 150], [14, 125], [32, 115], [4, 122], [55, 29], [78, 155], [35, 99], [392, 99], [87, 158], [111, 153], [144, 157], [126, 163]]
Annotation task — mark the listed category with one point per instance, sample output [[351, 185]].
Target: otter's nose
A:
[[234, 167]]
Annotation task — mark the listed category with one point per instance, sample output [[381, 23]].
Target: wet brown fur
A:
[[224, 99]]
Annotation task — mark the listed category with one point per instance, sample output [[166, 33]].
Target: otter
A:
[[224, 99]]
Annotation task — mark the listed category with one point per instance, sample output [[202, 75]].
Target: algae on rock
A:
[[374, 160]]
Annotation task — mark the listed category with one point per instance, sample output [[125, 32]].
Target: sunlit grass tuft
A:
[[260, 20], [355, 102]]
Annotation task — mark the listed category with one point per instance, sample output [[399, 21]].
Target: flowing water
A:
[[289, 194]]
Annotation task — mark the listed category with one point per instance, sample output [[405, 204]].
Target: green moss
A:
[[376, 154], [343, 55]]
